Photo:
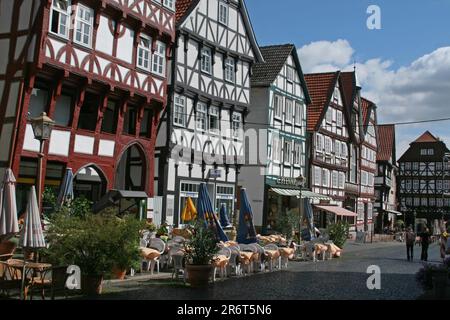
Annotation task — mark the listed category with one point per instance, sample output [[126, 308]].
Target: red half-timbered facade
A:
[[99, 70]]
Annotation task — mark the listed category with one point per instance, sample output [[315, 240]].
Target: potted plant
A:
[[339, 233], [95, 243], [200, 250]]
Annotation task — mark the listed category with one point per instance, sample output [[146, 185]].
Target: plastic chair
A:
[[177, 257], [223, 269], [234, 264], [159, 245], [310, 251], [248, 248], [273, 247], [259, 264]]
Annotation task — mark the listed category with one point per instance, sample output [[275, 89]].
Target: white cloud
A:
[[418, 91]]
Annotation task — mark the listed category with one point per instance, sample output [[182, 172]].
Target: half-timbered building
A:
[[332, 163], [200, 138], [99, 70], [424, 180], [277, 115], [386, 204]]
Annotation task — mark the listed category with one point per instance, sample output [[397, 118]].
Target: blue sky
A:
[[404, 67]]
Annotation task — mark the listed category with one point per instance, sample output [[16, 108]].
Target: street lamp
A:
[[300, 182], [42, 129]]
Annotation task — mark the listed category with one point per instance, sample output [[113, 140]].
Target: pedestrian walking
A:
[[425, 242], [410, 240]]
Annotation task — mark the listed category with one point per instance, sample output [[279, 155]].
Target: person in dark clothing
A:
[[410, 240], [425, 241]]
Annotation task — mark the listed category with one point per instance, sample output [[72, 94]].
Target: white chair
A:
[[259, 265], [179, 239], [248, 268], [177, 257], [159, 245], [234, 264], [273, 247], [310, 251]]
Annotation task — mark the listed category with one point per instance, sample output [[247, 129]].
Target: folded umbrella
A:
[[32, 235], [66, 189], [8, 206], [246, 231], [189, 211], [224, 216]]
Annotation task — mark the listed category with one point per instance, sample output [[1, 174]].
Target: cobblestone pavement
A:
[[343, 278]]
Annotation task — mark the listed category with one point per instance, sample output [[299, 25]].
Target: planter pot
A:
[[119, 274], [198, 276], [92, 285], [440, 280]]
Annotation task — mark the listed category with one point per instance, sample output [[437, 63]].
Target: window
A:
[[206, 64], [289, 111], [344, 152], [325, 177], [424, 202], [432, 202], [341, 180], [287, 151], [169, 4], [339, 121], [278, 104], [84, 25], [289, 73], [297, 153], [223, 13], [276, 149], [146, 124], [159, 59], [431, 152], [423, 152], [319, 146], [38, 101], [353, 165], [237, 120], [179, 111], [200, 117], [109, 123], [214, 118], [337, 148], [129, 122], [63, 110], [416, 185], [334, 180], [415, 165], [60, 17], [318, 176], [87, 119], [229, 70], [328, 145], [329, 115], [298, 113], [144, 52]]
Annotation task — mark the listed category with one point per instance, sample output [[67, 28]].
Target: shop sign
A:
[[287, 181]]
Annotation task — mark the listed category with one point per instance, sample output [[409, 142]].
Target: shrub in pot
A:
[[92, 242], [200, 250], [339, 232]]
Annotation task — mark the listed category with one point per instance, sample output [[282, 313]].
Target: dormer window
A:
[[223, 13], [60, 17], [290, 74]]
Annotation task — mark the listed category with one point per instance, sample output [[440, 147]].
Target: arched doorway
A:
[[131, 171], [89, 182]]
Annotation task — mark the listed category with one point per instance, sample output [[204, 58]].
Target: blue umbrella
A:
[[206, 213], [66, 189], [309, 217], [224, 216], [246, 232]]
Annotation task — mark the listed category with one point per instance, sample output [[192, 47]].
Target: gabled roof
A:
[[386, 142], [348, 81], [185, 7], [265, 73], [426, 137], [320, 87], [367, 108]]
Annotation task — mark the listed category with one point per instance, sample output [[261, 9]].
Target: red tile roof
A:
[[366, 105], [348, 81], [386, 142], [320, 87], [182, 8], [427, 137]]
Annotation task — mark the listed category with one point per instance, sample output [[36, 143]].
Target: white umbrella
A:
[[8, 206], [32, 235]]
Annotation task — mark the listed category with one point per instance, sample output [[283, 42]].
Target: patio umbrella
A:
[[309, 217], [31, 235], [66, 189], [8, 206], [206, 213], [224, 216], [189, 211], [246, 231]]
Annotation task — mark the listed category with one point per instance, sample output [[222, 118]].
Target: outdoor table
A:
[[149, 253], [221, 261], [273, 254], [286, 252], [28, 268], [246, 256]]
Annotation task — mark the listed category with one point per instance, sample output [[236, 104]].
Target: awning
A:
[[305, 194], [338, 211], [395, 212]]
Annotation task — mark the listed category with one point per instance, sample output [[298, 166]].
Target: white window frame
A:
[[201, 116], [276, 149], [224, 13], [213, 113], [329, 116], [159, 59], [335, 179], [289, 73], [66, 13], [230, 74], [278, 106], [289, 109], [179, 111], [325, 178], [298, 151], [318, 176], [206, 60], [84, 23], [236, 124], [298, 113], [170, 4], [144, 50], [287, 151]]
